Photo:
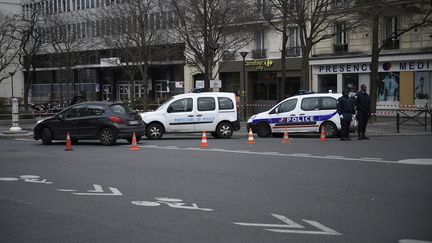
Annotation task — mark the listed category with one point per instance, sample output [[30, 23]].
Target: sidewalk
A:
[[383, 126]]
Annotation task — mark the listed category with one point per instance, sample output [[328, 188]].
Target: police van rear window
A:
[[225, 103]]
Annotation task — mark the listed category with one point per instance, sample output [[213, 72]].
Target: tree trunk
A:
[[374, 81], [304, 79], [281, 84], [27, 85], [144, 75]]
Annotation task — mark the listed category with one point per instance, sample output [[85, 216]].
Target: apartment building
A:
[[405, 62]]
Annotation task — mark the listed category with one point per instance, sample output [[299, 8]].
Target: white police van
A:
[[214, 112], [300, 113]]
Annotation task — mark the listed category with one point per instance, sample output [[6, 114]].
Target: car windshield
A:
[[121, 109], [164, 104]]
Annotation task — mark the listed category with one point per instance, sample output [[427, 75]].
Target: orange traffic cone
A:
[[285, 137], [68, 143], [323, 135], [250, 137], [204, 143], [134, 145]]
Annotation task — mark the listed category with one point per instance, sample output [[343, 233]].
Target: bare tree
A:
[[131, 30], [68, 45], [210, 30], [417, 14], [315, 20], [9, 46], [31, 32]]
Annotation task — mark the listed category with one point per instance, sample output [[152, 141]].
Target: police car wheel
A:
[[263, 130], [224, 130], [331, 130], [154, 131]]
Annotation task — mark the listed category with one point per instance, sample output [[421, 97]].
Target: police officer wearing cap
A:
[[363, 106], [346, 110]]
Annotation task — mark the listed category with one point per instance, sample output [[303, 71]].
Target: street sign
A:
[[199, 84], [215, 83]]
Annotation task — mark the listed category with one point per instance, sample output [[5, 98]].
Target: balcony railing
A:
[[293, 51], [340, 48], [259, 53], [391, 45], [228, 56]]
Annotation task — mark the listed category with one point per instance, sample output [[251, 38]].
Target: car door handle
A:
[[302, 114], [292, 115], [198, 115], [190, 116]]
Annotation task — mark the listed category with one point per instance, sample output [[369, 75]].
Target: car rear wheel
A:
[[330, 129], [154, 131], [263, 130], [224, 130], [107, 136], [46, 136]]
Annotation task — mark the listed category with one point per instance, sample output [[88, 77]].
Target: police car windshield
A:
[[165, 103]]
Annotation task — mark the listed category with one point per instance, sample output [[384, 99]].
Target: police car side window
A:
[[328, 103], [310, 104], [182, 105], [206, 104], [225, 103], [288, 106]]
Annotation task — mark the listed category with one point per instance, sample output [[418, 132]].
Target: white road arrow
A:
[[281, 228], [98, 191]]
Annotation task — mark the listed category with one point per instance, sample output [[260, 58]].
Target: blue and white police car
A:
[[300, 113]]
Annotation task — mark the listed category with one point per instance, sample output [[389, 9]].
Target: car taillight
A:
[[116, 120]]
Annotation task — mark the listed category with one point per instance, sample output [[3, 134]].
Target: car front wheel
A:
[[107, 136], [263, 130], [330, 129]]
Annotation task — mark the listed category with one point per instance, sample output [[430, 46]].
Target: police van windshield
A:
[[164, 104]]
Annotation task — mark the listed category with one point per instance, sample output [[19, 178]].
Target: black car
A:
[[105, 121]]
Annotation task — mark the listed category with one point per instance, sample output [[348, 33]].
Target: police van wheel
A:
[[263, 130], [224, 130], [331, 130], [154, 131]]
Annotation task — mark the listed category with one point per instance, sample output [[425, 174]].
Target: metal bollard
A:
[[15, 116], [397, 121]]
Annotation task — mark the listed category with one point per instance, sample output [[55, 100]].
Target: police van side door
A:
[[180, 116], [282, 116], [309, 115], [206, 114]]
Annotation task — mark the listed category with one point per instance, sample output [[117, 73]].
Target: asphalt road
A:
[[173, 191]]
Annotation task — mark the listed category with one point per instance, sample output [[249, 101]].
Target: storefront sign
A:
[[215, 83], [420, 65], [259, 65], [110, 62]]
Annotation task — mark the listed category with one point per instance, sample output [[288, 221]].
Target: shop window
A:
[[327, 82], [264, 91]]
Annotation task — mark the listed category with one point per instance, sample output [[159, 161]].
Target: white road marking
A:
[[66, 190], [425, 161], [98, 191], [369, 158], [24, 139], [413, 241], [288, 223], [8, 179]]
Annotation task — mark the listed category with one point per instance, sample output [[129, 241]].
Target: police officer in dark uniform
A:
[[363, 106], [346, 110]]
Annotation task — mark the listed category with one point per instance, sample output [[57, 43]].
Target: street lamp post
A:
[[15, 109], [243, 84]]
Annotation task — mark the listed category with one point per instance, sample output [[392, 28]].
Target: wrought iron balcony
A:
[[293, 51], [259, 53], [391, 44], [340, 48]]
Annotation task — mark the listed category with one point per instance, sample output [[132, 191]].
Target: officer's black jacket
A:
[[345, 107], [363, 102]]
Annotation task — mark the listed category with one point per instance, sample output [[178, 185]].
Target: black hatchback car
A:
[[105, 121]]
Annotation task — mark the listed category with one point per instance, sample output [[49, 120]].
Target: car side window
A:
[[93, 110], [310, 104], [328, 103], [73, 112], [225, 103], [182, 105], [288, 106], [206, 104]]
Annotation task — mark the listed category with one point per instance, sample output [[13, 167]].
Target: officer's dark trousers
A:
[[362, 119], [345, 126]]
